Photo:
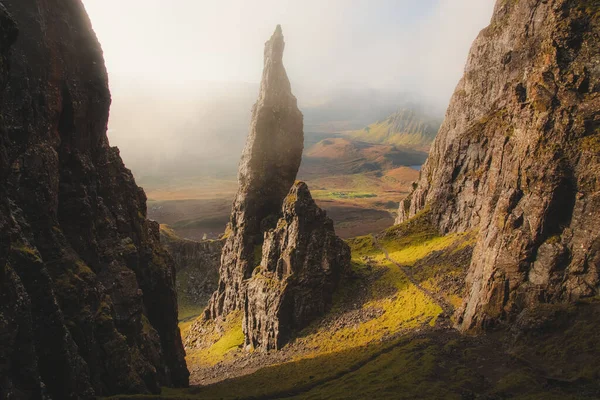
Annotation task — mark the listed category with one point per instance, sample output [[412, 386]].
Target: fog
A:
[[184, 73]]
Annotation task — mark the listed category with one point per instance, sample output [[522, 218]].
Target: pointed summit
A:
[[275, 86], [302, 262], [274, 47]]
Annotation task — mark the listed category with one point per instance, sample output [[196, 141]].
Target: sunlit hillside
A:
[[407, 127]]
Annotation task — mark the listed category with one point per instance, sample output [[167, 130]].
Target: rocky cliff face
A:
[[88, 304], [268, 168], [301, 264], [197, 265], [518, 158]]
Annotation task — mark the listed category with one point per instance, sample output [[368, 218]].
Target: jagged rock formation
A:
[[268, 169], [302, 262], [197, 265], [87, 294], [518, 158]]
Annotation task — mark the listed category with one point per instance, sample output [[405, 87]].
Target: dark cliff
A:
[[88, 291], [518, 159]]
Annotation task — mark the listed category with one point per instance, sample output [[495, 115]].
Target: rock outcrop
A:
[[197, 265], [302, 261], [518, 158], [87, 294], [267, 171]]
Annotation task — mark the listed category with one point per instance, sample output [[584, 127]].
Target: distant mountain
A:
[[408, 127], [340, 156], [344, 110]]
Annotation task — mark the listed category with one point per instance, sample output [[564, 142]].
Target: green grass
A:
[[218, 338], [384, 357], [257, 255], [555, 360], [189, 311], [400, 304], [329, 195], [26, 250]]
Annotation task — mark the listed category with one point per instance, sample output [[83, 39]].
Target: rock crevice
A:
[[302, 262]]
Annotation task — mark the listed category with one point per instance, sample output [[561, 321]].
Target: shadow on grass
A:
[[556, 360]]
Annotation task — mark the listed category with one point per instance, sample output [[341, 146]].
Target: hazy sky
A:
[[406, 45], [184, 73]]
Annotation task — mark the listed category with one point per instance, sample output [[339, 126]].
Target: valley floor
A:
[[359, 204]]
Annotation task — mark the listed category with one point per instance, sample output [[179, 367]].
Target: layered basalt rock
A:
[[87, 298], [268, 168], [518, 158], [302, 262]]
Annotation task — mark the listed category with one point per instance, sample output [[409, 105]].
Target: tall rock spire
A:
[[267, 171]]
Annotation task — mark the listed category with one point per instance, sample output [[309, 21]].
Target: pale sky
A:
[[406, 45]]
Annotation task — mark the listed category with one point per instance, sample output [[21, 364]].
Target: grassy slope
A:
[[383, 338]]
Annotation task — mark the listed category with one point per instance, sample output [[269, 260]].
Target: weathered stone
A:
[[90, 291], [268, 169], [302, 261], [518, 158]]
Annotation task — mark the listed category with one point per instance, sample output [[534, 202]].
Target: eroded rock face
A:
[[88, 291], [197, 265], [302, 262], [268, 169], [19, 374], [518, 158]]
